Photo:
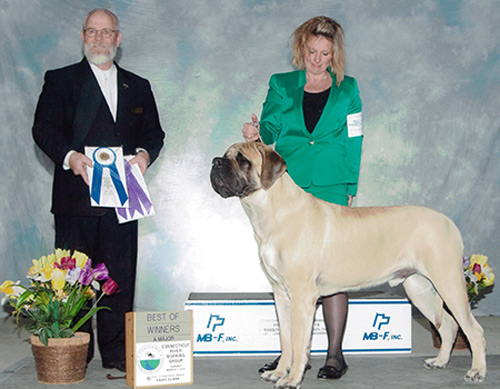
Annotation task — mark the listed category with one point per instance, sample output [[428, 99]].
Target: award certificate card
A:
[[159, 349], [140, 204], [107, 180]]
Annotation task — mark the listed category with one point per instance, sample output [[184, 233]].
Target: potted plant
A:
[[479, 277], [479, 280], [62, 286]]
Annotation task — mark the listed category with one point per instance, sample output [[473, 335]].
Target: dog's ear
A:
[[273, 166]]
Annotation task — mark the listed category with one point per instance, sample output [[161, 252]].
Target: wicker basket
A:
[[461, 343], [63, 361]]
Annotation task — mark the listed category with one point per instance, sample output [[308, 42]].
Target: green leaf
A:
[[55, 329], [22, 298], [78, 306], [87, 317], [43, 335], [66, 333]]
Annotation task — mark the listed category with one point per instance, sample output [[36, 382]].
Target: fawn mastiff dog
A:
[[310, 248]]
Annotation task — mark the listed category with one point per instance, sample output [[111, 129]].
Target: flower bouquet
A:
[[479, 277], [62, 284]]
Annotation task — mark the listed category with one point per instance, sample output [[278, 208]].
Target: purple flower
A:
[[88, 264], [110, 287], [73, 275], [101, 272], [86, 276]]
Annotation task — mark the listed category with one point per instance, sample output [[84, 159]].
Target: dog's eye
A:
[[242, 161]]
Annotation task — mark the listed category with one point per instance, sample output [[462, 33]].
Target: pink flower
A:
[[68, 263], [110, 287], [476, 268], [101, 272]]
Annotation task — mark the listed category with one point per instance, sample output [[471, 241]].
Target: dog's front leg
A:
[[303, 306], [282, 302]]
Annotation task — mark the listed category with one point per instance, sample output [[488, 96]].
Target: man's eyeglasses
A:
[[105, 32]]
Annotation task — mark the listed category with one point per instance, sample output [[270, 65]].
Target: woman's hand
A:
[[251, 130]]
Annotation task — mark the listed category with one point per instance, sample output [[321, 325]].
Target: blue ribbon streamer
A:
[[115, 178]]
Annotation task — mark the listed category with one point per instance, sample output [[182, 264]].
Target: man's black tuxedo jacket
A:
[[70, 113]]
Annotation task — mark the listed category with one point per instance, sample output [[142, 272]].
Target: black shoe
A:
[[331, 373], [274, 364], [270, 365], [120, 365]]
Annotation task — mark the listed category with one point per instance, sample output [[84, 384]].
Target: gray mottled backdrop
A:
[[429, 75]]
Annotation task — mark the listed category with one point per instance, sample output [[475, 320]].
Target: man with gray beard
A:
[[97, 103]]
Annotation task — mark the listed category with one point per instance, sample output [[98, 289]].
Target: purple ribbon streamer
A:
[[136, 195]]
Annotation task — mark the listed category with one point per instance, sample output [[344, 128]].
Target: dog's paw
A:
[[272, 376], [434, 363], [287, 383], [475, 375]]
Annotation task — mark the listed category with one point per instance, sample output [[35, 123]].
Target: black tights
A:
[[335, 309]]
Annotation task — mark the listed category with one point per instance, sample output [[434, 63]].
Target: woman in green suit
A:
[[313, 115]]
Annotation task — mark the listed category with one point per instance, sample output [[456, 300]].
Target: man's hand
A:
[[78, 163], [142, 159]]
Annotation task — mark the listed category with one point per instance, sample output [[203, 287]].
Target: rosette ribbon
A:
[[137, 196], [100, 164]]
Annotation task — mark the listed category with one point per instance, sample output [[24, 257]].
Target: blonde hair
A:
[[315, 27]]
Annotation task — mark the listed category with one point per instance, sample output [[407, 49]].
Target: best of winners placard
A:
[[159, 348]]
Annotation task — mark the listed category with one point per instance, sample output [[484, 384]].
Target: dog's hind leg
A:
[[423, 295], [458, 304]]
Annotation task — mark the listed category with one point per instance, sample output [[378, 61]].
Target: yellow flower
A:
[[81, 258], [12, 289], [60, 254], [489, 277], [478, 258], [39, 265], [46, 273], [58, 280], [61, 294], [6, 287], [90, 294]]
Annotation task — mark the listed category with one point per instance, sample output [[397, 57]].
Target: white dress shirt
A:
[[108, 82]]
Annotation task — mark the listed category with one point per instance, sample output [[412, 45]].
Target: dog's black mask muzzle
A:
[[220, 177], [225, 181]]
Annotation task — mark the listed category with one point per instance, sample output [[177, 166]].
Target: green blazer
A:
[[331, 154]]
